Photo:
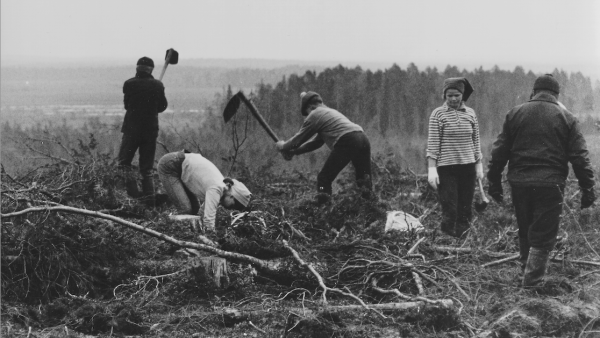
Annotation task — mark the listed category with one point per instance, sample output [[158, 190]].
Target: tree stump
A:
[[194, 222], [205, 269]]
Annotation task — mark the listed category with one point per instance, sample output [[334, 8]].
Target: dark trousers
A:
[[352, 147], [538, 211], [455, 193], [147, 147]]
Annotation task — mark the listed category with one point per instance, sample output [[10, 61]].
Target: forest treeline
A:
[[399, 101]]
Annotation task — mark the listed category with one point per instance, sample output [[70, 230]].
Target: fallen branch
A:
[[574, 261], [207, 246], [414, 247], [396, 292], [452, 249], [448, 275], [322, 283], [500, 261]]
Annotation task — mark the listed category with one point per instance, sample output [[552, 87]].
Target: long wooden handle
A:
[[483, 196], [259, 117], [167, 59]]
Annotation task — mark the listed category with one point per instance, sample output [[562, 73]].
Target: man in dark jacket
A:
[[538, 140], [144, 99]]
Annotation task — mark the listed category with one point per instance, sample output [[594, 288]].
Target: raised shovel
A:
[[480, 206], [172, 57], [232, 108], [234, 104]]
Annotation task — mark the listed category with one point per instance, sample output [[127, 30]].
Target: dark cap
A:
[[305, 98], [145, 61], [547, 82], [459, 83]]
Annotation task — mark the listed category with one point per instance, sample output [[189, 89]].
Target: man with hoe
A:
[[347, 141], [538, 140], [144, 99]]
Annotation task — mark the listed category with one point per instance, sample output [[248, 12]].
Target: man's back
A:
[[541, 139], [144, 98]]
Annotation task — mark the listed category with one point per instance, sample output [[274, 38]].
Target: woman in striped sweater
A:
[[454, 156]]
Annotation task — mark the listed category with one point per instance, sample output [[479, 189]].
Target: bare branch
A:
[[207, 246]]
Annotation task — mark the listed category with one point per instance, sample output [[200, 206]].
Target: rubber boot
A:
[[323, 195], [523, 255], [131, 186], [148, 190], [535, 270], [448, 229]]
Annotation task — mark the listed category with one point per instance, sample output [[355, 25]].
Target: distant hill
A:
[[191, 84]]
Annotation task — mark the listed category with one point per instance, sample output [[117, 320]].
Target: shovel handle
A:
[[483, 196], [167, 59], [258, 117]]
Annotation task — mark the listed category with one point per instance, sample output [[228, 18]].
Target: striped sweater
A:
[[453, 136]]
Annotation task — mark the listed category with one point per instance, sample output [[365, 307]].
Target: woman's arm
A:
[[211, 203]]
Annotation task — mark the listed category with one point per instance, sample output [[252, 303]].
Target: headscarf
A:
[[240, 192], [459, 83]]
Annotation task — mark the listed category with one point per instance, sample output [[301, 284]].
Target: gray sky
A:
[[539, 35]]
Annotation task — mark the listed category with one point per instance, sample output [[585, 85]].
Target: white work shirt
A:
[[205, 181]]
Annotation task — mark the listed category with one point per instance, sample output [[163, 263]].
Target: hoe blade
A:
[[231, 108]]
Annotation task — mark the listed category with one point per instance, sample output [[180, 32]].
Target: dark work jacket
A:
[[144, 98], [538, 140]]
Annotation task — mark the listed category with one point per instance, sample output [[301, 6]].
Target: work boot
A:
[[523, 254], [535, 270], [447, 229], [148, 190], [131, 186], [322, 198]]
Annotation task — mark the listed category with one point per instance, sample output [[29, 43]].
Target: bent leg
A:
[[169, 172], [336, 162], [362, 161]]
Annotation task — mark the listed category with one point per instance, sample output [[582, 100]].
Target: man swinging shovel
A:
[[232, 108], [144, 98]]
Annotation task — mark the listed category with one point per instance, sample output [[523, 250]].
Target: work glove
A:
[[479, 170], [433, 178], [279, 145], [588, 196], [495, 190]]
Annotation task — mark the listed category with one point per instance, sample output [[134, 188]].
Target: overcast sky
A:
[[539, 35]]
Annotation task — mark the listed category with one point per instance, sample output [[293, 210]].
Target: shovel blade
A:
[[174, 56], [480, 206], [231, 108]]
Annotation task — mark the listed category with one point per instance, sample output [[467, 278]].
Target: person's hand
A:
[[433, 178], [479, 171], [588, 196], [495, 190], [279, 145], [287, 155]]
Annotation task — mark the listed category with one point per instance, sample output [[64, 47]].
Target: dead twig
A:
[[500, 261], [257, 328], [322, 283]]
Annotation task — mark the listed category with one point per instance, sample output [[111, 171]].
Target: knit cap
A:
[[145, 61], [547, 82], [459, 83], [240, 192], [305, 98]]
